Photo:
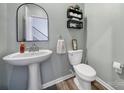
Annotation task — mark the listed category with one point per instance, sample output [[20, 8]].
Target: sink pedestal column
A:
[[34, 82]]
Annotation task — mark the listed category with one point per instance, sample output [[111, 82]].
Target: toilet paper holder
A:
[[122, 66], [118, 67]]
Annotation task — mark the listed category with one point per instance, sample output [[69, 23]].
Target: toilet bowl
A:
[[84, 73]]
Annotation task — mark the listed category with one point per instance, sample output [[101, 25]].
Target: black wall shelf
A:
[[71, 13], [74, 24], [75, 17]]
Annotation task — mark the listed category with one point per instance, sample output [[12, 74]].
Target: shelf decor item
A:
[[75, 16], [74, 24], [74, 44]]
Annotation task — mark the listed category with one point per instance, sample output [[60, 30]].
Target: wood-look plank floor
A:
[[70, 85], [67, 85], [97, 85]]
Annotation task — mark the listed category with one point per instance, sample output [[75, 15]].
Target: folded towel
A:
[[61, 49]]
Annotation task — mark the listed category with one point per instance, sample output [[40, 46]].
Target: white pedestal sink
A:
[[32, 60]]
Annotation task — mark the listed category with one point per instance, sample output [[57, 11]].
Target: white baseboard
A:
[[104, 84], [51, 83], [57, 81], [118, 83]]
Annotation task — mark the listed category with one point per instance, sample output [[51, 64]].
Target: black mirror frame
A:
[[17, 23]]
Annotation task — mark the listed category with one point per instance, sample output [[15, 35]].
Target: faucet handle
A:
[[36, 48], [33, 45]]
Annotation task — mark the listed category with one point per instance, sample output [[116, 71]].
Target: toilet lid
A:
[[85, 70]]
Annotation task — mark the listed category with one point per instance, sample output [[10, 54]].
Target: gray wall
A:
[[105, 40], [56, 66], [99, 38], [118, 46], [3, 45]]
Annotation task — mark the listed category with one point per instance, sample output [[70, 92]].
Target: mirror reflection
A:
[[32, 23]]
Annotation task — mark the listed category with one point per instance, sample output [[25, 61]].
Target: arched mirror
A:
[[32, 23]]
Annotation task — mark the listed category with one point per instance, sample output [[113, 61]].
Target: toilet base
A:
[[82, 85], [77, 84]]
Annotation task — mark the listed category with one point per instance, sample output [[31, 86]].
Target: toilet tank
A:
[[75, 56]]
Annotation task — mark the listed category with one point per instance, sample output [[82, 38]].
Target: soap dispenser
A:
[[22, 47]]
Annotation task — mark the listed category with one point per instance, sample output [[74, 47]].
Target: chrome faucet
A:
[[33, 48]]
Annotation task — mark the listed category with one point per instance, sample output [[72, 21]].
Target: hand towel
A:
[[61, 49]]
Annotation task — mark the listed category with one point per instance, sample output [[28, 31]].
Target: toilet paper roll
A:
[[117, 67]]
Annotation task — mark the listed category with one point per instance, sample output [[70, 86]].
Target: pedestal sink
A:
[[32, 60]]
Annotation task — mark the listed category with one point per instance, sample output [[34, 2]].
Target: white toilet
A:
[[84, 73]]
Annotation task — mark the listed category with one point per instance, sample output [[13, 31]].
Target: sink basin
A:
[[32, 60], [21, 59]]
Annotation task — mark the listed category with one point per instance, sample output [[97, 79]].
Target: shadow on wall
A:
[[100, 55]]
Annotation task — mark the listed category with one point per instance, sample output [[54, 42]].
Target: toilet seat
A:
[[85, 72]]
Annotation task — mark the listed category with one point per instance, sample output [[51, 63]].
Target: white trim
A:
[[53, 82], [104, 83], [117, 83]]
